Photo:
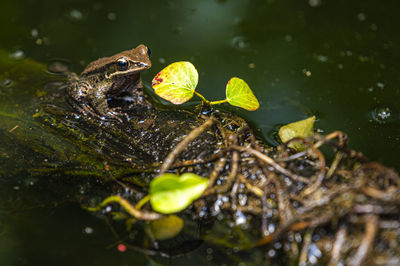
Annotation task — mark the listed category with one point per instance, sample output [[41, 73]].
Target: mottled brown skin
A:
[[108, 77]]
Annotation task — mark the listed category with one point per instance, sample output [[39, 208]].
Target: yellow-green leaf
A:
[[238, 93], [165, 228], [170, 193], [303, 128], [176, 83]]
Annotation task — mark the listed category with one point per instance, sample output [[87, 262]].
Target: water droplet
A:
[[340, 66], [298, 237], [271, 253], [34, 33], [240, 218], [161, 60], [361, 17], [288, 38], [314, 3], [112, 16], [88, 230], [18, 54], [271, 228], [30, 181], [76, 14], [252, 65], [314, 253], [240, 43], [383, 114], [306, 72], [322, 58]]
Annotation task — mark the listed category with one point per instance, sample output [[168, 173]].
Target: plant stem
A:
[[142, 202], [218, 102], [202, 97], [141, 215]]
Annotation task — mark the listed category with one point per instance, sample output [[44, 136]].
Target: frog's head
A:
[[126, 63]]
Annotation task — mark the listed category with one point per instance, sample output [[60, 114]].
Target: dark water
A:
[[338, 60]]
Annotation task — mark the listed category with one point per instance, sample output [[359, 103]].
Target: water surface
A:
[[337, 60]]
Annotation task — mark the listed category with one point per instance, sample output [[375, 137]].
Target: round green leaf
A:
[[176, 83], [165, 228], [170, 193], [238, 93], [303, 128]]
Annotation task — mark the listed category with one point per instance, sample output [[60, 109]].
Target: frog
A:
[[109, 77]]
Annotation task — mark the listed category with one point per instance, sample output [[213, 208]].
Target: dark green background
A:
[[349, 47]]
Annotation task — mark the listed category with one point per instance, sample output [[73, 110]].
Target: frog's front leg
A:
[[98, 101]]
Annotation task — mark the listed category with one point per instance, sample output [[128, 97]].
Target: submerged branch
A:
[[169, 160]]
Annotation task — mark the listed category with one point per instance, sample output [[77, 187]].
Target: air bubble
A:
[[112, 16], [88, 230], [314, 3], [361, 17], [239, 43], [76, 14], [383, 114]]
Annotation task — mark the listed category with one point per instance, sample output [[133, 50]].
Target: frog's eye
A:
[[148, 51], [122, 64]]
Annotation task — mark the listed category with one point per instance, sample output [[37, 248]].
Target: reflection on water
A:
[[334, 59]]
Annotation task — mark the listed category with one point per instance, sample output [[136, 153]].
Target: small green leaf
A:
[[165, 228], [303, 128], [238, 93], [171, 193], [176, 83]]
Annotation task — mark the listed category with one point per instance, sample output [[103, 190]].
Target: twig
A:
[[371, 228], [334, 164], [337, 246], [271, 162], [14, 128], [321, 174], [213, 157], [231, 177], [169, 160], [380, 195], [217, 169], [306, 246]]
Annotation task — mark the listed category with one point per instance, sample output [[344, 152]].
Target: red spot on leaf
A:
[[121, 248], [157, 80]]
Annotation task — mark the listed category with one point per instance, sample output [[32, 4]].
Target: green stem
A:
[[218, 102], [202, 97], [142, 202], [141, 215]]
